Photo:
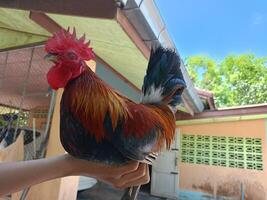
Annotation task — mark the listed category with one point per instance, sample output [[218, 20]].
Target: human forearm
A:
[[15, 176], [18, 175]]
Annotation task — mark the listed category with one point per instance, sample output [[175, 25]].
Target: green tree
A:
[[236, 80]]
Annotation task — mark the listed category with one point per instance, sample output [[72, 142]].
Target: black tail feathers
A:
[[164, 81]]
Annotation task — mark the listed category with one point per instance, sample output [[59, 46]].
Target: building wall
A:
[[224, 180]]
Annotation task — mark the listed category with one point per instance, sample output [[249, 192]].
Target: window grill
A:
[[234, 152]]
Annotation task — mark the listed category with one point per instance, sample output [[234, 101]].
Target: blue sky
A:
[[216, 27]]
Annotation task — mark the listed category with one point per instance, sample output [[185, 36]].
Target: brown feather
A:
[[90, 99]]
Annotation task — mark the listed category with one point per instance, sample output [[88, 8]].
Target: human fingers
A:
[[138, 177], [119, 171], [141, 181]]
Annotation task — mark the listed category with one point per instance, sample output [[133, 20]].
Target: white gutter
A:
[[221, 119], [145, 17]]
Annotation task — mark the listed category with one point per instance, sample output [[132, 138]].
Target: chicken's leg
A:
[[132, 192]]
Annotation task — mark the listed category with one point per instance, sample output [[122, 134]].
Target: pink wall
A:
[[225, 181]]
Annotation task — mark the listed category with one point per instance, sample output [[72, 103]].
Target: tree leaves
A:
[[236, 80]]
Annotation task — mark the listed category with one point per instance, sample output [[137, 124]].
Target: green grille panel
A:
[[235, 152]]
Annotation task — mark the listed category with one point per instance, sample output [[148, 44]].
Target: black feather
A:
[[164, 70], [79, 143]]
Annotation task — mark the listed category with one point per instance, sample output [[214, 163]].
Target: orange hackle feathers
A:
[[91, 107]]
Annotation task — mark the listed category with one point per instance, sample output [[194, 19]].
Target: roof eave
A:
[[240, 111]]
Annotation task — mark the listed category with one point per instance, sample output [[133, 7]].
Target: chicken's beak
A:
[[51, 57]]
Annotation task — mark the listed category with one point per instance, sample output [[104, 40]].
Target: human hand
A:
[[132, 174], [15, 176]]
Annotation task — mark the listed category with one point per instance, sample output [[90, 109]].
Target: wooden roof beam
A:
[[86, 8], [132, 33]]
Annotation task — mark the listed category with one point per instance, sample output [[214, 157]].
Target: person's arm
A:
[[15, 176]]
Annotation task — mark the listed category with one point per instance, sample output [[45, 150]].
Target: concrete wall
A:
[[226, 181], [116, 82]]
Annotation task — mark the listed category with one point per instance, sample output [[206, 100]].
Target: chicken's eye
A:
[[72, 56]]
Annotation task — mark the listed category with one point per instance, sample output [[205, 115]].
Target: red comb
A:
[[63, 40]]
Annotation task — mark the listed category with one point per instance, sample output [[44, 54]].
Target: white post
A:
[[34, 138]]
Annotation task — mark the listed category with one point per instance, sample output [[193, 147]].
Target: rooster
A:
[[99, 124]]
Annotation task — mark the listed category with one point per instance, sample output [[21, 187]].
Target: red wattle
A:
[[58, 77]]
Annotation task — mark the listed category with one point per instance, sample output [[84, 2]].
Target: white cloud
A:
[[258, 19]]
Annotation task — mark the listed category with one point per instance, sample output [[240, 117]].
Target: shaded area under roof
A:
[[110, 35], [107, 37], [18, 78]]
